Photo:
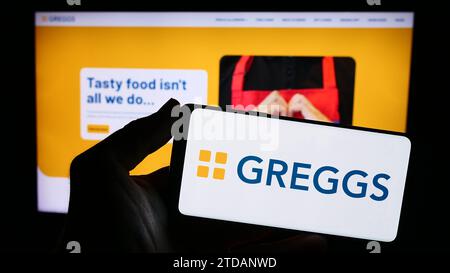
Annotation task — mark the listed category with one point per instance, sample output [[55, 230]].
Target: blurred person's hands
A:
[[110, 210], [273, 104], [300, 103]]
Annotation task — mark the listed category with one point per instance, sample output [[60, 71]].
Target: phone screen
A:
[[281, 172]]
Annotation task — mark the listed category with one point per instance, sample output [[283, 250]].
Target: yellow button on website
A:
[[98, 128]]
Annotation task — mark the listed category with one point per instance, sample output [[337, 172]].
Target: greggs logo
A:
[[217, 166], [300, 176]]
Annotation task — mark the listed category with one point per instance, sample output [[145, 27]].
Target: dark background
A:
[[423, 223], [274, 73]]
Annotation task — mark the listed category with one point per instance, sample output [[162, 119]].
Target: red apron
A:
[[325, 99]]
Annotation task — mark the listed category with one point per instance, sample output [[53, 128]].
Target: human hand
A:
[[110, 210], [273, 104]]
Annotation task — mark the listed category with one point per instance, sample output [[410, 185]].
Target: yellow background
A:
[[382, 59]]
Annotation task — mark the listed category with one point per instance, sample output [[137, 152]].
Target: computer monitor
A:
[[97, 71]]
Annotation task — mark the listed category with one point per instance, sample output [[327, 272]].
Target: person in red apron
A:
[[312, 103]]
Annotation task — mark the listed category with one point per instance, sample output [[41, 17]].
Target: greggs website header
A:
[[222, 19]]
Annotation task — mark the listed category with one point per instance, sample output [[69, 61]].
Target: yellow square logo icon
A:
[[202, 171], [219, 173], [205, 156], [221, 157]]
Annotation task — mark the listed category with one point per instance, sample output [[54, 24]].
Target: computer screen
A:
[[97, 71]]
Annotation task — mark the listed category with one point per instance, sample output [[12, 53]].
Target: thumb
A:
[[131, 144]]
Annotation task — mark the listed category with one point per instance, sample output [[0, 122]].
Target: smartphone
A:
[[254, 168]]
